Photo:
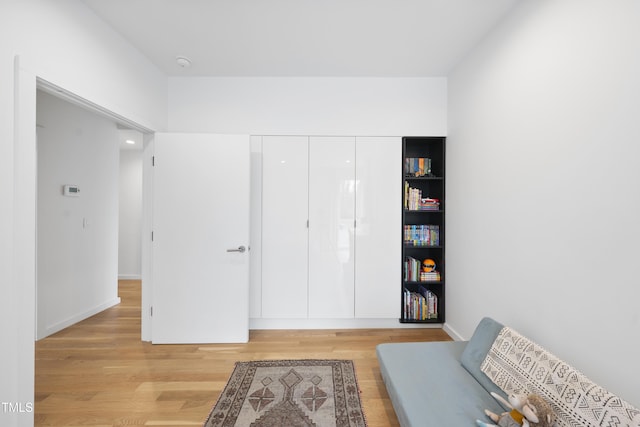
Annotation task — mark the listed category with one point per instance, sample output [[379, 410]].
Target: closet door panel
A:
[[378, 219], [284, 226], [331, 221]]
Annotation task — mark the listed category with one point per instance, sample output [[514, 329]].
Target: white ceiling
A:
[[377, 38]]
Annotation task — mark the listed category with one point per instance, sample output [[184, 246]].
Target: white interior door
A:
[[200, 227]]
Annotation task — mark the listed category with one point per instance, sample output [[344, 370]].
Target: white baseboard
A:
[[49, 330], [259, 323], [129, 277], [452, 333]]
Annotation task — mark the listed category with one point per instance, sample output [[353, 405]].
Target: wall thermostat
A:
[[71, 190]]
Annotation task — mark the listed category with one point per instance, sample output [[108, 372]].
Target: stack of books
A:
[[429, 276], [417, 166], [428, 204], [422, 235], [421, 305]]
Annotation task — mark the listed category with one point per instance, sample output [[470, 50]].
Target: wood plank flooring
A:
[[99, 373]]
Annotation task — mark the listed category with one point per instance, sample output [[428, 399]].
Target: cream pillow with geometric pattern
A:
[[518, 365]]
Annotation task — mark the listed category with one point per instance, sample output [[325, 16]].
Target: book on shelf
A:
[[413, 200], [413, 271], [431, 301], [417, 166], [412, 268], [422, 235], [420, 305]]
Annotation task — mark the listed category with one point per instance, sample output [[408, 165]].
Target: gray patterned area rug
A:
[[291, 393]]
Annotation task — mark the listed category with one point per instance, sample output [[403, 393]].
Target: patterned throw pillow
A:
[[518, 365]]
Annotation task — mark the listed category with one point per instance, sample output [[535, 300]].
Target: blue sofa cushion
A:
[[477, 349], [429, 387]]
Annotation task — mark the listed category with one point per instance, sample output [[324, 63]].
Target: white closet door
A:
[[378, 227], [331, 221], [284, 226]]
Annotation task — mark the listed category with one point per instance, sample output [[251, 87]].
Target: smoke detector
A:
[[183, 62]]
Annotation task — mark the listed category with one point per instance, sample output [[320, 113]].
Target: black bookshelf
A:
[[423, 230]]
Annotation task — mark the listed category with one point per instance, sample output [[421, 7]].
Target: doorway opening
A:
[[79, 189]]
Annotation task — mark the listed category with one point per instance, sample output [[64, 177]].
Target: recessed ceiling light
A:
[[183, 62], [130, 141]]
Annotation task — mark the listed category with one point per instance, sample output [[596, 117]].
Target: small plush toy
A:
[[526, 410], [428, 265]]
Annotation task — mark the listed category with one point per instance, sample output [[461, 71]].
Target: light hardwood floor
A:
[[99, 373]]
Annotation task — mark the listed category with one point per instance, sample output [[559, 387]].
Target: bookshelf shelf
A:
[[431, 282], [423, 230], [407, 211]]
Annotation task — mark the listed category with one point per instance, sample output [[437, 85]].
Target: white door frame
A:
[[24, 229], [26, 82]]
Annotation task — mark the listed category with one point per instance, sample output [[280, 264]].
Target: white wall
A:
[[304, 106], [77, 238], [542, 187], [66, 44], [130, 228], [309, 105]]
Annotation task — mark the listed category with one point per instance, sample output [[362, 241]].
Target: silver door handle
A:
[[238, 249]]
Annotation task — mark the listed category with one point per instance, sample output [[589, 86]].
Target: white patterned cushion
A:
[[518, 365]]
